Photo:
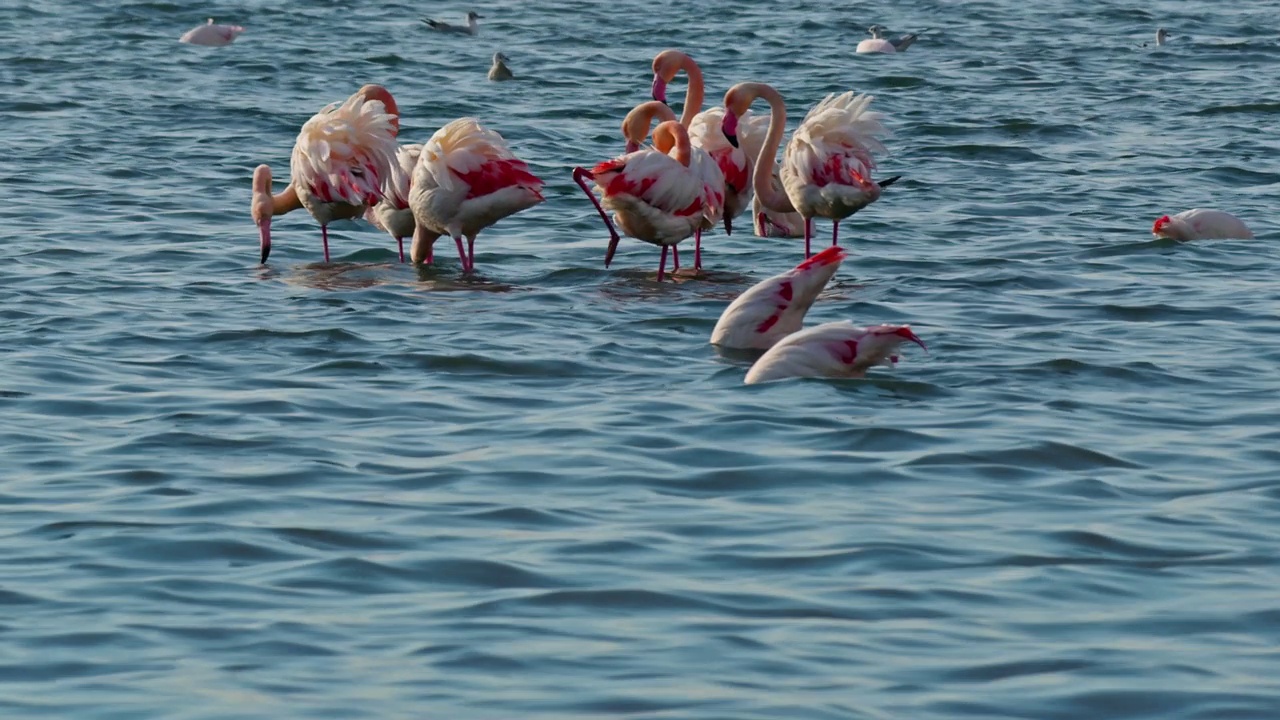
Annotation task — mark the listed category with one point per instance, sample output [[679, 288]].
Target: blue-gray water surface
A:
[[359, 490]]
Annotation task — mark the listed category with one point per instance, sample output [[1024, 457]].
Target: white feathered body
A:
[[392, 214], [827, 166], [653, 196], [211, 34], [341, 157], [466, 179], [775, 308], [831, 350], [1201, 224], [875, 45]]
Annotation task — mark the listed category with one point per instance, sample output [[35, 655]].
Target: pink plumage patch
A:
[[785, 292], [831, 255], [735, 176], [847, 351], [843, 168], [496, 175]]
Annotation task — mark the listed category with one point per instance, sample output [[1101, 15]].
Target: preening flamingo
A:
[[392, 214], [339, 161], [654, 193], [735, 163], [827, 165], [466, 180], [1201, 224], [774, 308], [832, 350], [211, 34]]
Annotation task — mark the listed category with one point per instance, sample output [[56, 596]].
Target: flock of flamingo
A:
[[701, 170]]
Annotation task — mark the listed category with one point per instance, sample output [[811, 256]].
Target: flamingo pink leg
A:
[[675, 254], [580, 176], [324, 237], [462, 254], [808, 232], [835, 232], [662, 264], [697, 249], [400, 241], [471, 253], [431, 251]]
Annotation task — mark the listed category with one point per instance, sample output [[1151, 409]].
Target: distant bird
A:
[[826, 169], [500, 71], [471, 28], [466, 179], [210, 34], [770, 223], [1161, 36], [775, 307], [340, 159], [878, 43], [392, 214], [1201, 224], [832, 350]]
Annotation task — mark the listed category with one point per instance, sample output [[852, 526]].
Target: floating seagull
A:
[[470, 29], [878, 43], [1161, 36], [1201, 224], [500, 71], [210, 34]]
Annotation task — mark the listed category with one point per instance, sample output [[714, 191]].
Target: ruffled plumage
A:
[[344, 152]]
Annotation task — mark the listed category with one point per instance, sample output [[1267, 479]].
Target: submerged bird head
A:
[[261, 207], [833, 350]]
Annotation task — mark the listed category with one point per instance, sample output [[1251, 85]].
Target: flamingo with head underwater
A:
[[826, 168], [339, 161], [735, 162], [466, 179], [832, 350]]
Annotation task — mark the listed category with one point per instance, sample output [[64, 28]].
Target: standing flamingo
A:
[[654, 193], [635, 129], [1201, 224], [392, 213], [827, 165], [466, 180], [339, 161], [735, 163], [775, 307], [775, 224], [832, 350]]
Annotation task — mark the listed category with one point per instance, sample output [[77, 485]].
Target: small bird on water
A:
[[211, 34], [471, 28], [500, 71]]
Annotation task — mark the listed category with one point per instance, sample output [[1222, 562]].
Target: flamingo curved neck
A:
[[694, 94], [671, 134], [762, 179], [635, 127], [283, 202]]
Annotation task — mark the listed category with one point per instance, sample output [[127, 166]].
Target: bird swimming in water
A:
[[471, 28], [878, 43], [500, 71], [211, 34]]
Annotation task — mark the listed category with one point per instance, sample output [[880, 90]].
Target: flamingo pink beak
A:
[[729, 126], [659, 90]]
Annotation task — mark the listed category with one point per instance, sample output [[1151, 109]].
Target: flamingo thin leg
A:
[[835, 232], [462, 254], [808, 233], [580, 176], [697, 249], [728, 225], [471, 252], [400, 242], [324, 237], [662, 264], [675, 253]]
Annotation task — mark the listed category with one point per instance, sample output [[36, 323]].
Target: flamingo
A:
[[466, 179], [392, 214], [878, 43], [635, 128], [704, 132], [775, 224], [211, 34], [832, 350], [775, 307], [654, 193], [499, 70], [471, 28], [339, 161], [1201, 224], [826, 168]]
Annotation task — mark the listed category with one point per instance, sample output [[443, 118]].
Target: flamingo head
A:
[[261, 207], [736, 103], [666, 65], [382, 95], [1161, 227], [729, 126]]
